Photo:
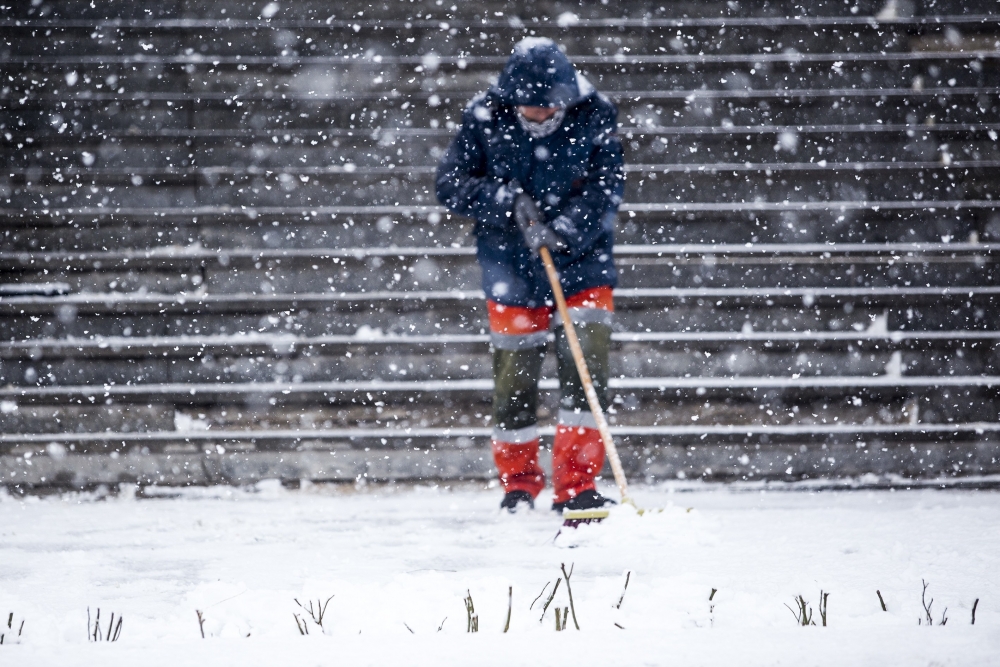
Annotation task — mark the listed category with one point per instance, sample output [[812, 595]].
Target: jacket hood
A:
[[538, 74]]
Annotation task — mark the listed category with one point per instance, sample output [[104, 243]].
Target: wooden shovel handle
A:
[[585, 379]]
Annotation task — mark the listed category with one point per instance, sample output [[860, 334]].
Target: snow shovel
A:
[[576, 517]]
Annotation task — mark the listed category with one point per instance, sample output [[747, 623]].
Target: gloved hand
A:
[[536, 233]]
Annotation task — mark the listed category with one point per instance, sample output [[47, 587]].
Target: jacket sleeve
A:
[[581, 222], [463, 184]]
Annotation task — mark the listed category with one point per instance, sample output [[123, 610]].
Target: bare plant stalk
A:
[[510, 605], [316, 613], [409, 628], [544, 588], [442, 624], [944, 617], [927, 605], [552, 595], [472, 617], [562, 619], [569, 590], [974, 605], [10, 626], [118, 630], [301, 624], [802, 612], [201, 622], [822, 606], [628, 575], [711, 607], [880, 600]]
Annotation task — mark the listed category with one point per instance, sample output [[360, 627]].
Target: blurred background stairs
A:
[[223, 260]]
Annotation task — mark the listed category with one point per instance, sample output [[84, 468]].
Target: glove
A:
[[536, 233]]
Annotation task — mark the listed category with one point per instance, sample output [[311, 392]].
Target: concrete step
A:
[[208, 161], [462, 319], [661, 130], [395, 15], [370, 364], [920, 453], [264, 77], [342, 170], [965, 391], [293, 115], [403, 301], [252, 343], [315, 275], [402, 232], [343, 189]]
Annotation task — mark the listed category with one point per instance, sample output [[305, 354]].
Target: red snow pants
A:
[[519, 336]]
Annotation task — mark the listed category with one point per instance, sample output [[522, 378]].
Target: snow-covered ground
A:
[[398, 557]]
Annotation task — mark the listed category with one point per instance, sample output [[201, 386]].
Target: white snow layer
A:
[[402, 557]]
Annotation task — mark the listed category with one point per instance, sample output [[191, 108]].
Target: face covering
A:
[[543, 129]]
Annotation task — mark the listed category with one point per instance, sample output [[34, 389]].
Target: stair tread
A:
[[976, 427]]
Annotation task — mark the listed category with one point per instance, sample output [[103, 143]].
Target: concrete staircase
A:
[[223, 261]]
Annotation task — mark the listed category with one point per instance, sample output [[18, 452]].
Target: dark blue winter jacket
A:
[[574, 174]]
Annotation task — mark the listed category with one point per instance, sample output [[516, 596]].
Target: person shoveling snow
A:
[[538, 164]]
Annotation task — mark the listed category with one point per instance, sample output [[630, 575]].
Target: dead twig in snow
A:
[[472, 624], [822, 606], [316, 613], [201, 622], [20, 629], [439, 627], [927, 605], [802, 612], [94, 632], [561, 621], [569, 590], [552, 595], [510, 605], [544, 588], [409, 628], [628, 575], [301, 624], [974, 605], [880, 600]]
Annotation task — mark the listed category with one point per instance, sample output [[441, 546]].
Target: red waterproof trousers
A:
[[519, 336]]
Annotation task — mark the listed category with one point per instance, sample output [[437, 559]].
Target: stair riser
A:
[[430, 319], [360, 189], [360, 231], [634, 361], [463, 273], [657, 460], [587, 40], [172, 160], [34, 118], [162, 425], [262, 77], [493, 11]]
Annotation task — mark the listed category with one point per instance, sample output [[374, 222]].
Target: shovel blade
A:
[[573, 518]]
